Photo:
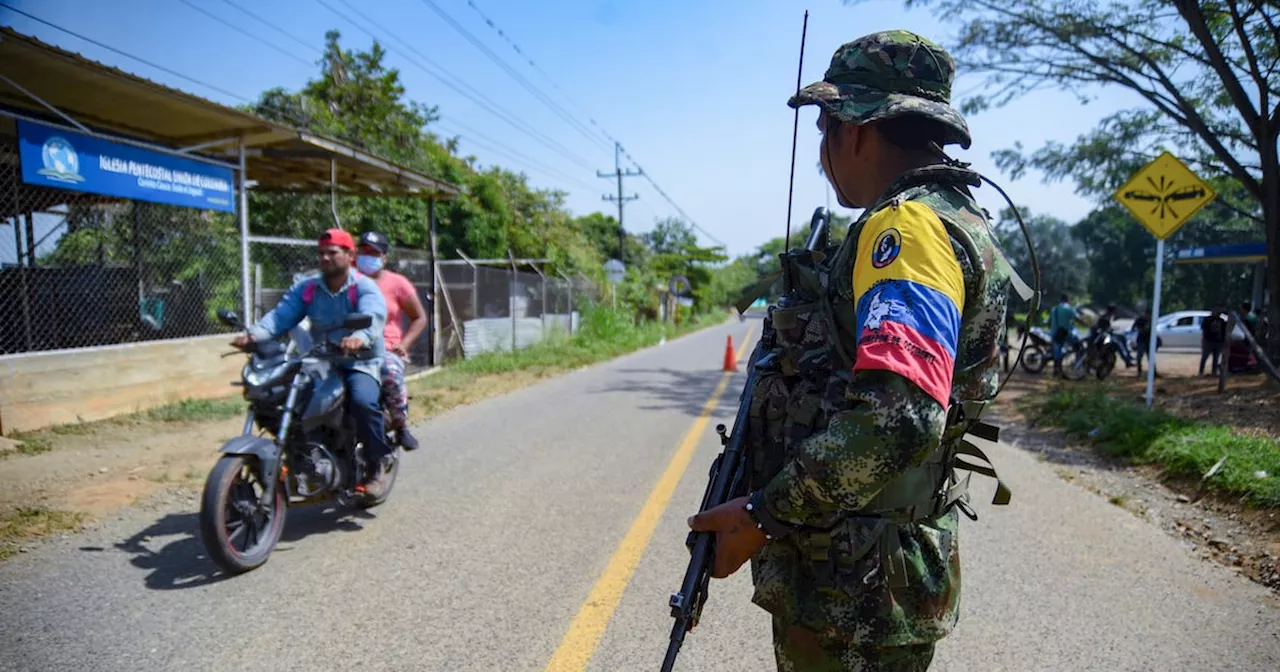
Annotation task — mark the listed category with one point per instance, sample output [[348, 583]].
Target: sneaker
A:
[[407, 440]]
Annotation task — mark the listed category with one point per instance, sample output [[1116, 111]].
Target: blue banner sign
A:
[[55, 157]]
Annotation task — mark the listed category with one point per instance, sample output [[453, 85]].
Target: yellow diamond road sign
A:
[[1164, 195]]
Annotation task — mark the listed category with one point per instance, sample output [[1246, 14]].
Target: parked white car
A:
[[1182, 329]]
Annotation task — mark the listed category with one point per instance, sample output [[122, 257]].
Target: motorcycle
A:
[[1096, 354], [313, 454], [1039, 349]]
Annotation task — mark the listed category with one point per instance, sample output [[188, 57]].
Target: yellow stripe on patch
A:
[[924, 253], [587, 627]]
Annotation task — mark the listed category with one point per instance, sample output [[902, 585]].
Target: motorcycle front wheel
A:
[[238, 535], [1106, 365]]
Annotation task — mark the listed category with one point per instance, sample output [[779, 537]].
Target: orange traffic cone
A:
[[730, 359]]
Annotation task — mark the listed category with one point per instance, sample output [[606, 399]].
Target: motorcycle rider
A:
[[1062, 326], [326, 301], [402, 299]]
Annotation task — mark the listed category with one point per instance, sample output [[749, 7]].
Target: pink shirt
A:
[[395, 289]]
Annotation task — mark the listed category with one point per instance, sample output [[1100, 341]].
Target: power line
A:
[[497, 147], [242, 31], [474, 96], [127, 55], [533, 65], [528, 86], [272, 26], [616, 142]]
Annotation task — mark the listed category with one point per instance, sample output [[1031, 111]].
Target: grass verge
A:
[[26, 523], [1185, 448], [602, 335]]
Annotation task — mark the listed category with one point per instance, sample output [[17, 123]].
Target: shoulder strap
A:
[[309, 293]]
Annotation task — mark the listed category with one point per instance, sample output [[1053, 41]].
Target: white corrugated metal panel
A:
[[491, 334]]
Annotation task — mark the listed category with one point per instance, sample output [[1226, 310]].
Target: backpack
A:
[[309, 293]]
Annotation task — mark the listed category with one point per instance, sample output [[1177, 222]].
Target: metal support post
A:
[[435, 354], [511, 293], [244, 241], [1155, 315]]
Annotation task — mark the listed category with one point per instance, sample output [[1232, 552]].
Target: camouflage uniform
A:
[[854, 432]]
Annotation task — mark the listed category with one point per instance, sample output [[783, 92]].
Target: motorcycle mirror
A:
[[358, 321], [229, 318]]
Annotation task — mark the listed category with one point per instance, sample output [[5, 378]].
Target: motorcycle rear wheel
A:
[[237, 537], [1075, 365], [1033, 359]]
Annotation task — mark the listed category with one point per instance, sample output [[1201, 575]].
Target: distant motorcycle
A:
[[1096, 354], [298, 396], [1038, 350]]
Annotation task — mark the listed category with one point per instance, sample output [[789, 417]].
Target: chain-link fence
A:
[[491, 308], [472, 310], [78, 269]]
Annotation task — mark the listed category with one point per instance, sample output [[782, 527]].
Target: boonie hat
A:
[[889, 74]]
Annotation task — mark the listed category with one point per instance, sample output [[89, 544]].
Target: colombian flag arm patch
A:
[[909, 292]]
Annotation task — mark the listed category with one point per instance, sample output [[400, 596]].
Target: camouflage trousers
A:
[[800, 650]]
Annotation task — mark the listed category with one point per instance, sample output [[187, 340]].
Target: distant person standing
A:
[[1250, 318], [1143, 326], [1213, 333], [1062, 324]]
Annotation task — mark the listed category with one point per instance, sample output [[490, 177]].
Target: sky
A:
[[695, 92]]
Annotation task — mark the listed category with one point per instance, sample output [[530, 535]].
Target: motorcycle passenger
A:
[[326, 301], [1062, 327], [402, 299]]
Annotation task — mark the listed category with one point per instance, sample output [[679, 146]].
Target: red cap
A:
[[338, 237]]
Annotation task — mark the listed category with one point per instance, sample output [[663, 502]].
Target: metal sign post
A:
[[615, 271], [1162, 196]]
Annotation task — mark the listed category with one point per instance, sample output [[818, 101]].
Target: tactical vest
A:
[[806, 360]]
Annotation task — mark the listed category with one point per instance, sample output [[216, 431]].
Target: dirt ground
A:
[[1216, 528], [101, 467]]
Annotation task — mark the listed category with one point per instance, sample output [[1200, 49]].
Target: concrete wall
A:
[[41, 389]]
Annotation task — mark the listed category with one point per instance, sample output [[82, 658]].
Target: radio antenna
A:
[[795, 128]]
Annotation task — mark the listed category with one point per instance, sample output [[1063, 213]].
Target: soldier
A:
[[851, 521]]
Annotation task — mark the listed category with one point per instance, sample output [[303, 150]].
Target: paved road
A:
[[534, 528]]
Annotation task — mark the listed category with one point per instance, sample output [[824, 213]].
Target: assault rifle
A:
[[728, 471]]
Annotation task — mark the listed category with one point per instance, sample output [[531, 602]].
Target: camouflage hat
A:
[[888, 74]]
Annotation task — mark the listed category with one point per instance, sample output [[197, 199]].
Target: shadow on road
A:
[[685, 391], [183, 563]]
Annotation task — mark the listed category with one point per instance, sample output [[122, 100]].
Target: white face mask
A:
[[369, 265]]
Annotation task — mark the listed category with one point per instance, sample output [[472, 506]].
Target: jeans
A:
[[362, 403], [1207, 349], [393, 390]]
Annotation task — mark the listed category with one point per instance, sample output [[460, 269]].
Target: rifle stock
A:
[[727, 478]]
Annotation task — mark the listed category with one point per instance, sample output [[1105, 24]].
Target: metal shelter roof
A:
[[1239, 253], [110, 100]]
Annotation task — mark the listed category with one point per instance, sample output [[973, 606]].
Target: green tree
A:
[[1064, 268], [1207, 71]]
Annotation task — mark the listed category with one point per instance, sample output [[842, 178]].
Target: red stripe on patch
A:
[[898, 348]]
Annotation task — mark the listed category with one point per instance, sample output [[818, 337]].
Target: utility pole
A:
[[618, 172]]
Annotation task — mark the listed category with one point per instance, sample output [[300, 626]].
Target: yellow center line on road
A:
[[580, 642]]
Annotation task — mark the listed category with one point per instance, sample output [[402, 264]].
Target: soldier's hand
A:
[[737, 538]]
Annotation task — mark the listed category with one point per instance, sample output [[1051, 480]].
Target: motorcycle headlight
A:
[[264, 373]]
